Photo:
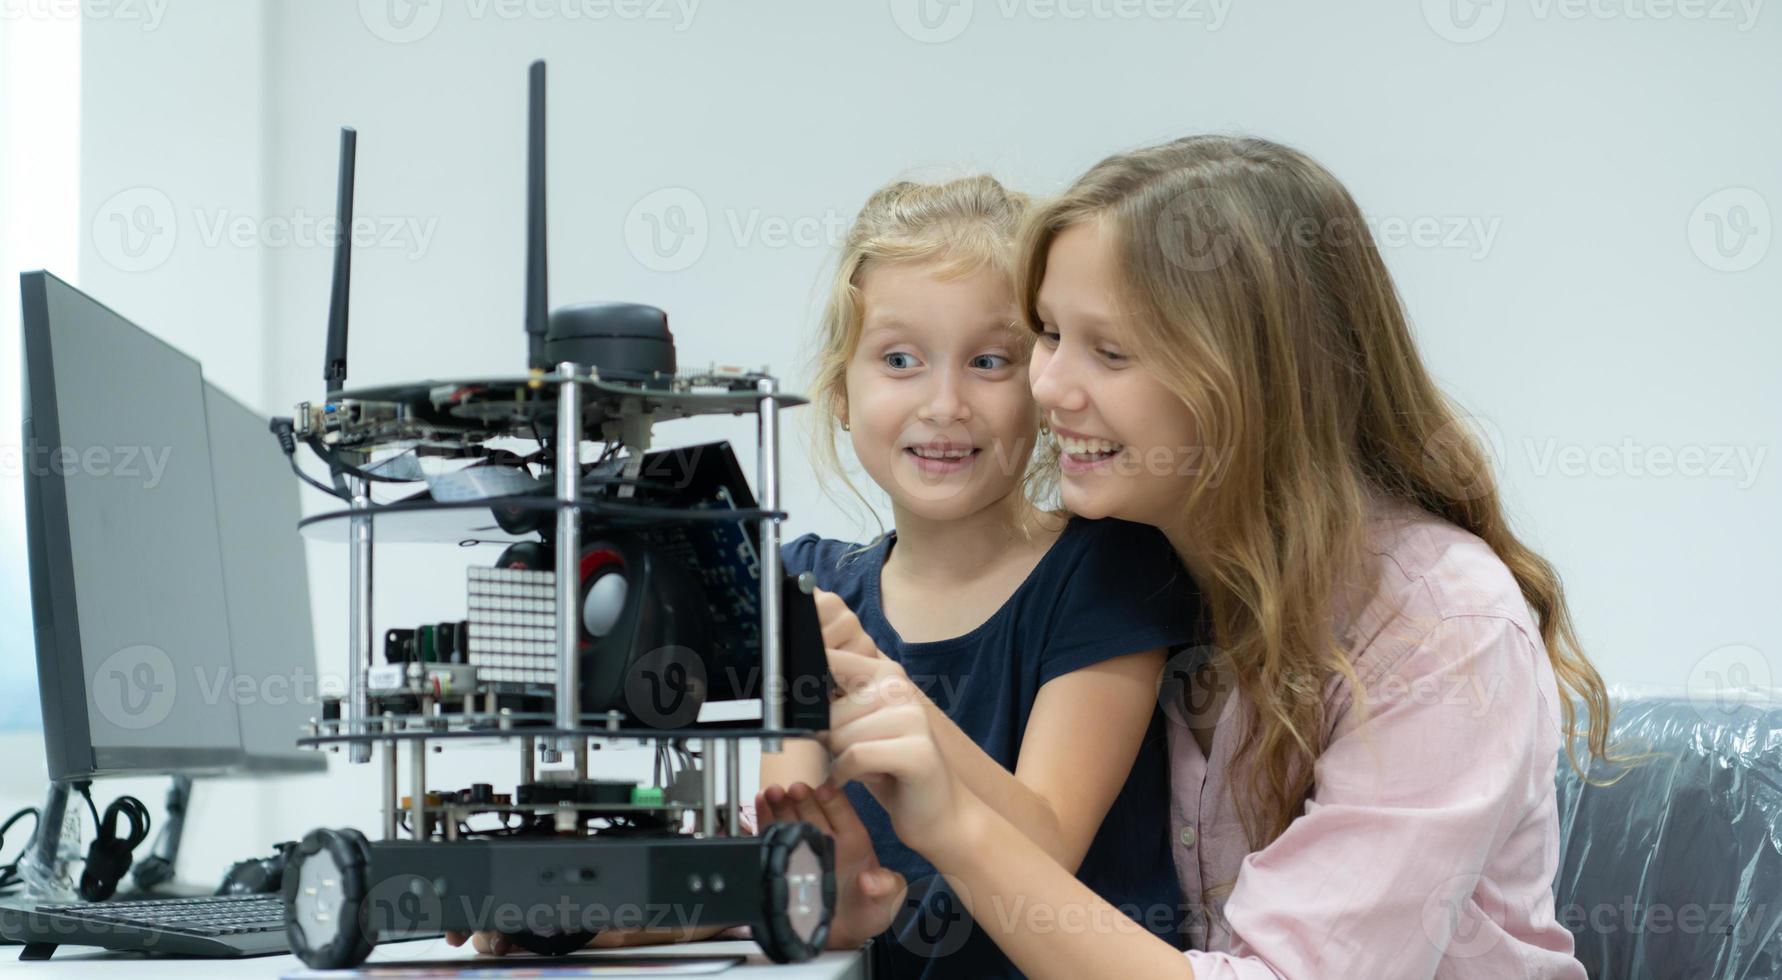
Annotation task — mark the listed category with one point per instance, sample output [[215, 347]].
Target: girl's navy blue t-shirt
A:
[[1106, 588]]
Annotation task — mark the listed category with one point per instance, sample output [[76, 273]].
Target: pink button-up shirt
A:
[[1430, 841]]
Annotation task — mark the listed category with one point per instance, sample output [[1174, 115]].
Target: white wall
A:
[[166, 138], [174, 124], [1569, 310], [1569, 163]]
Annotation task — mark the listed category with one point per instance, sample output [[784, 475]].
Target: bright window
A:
[[39, 229]]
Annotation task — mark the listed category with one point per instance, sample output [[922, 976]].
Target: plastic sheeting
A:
[[1675, 871]]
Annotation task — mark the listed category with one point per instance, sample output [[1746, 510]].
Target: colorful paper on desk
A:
[[523, 966]]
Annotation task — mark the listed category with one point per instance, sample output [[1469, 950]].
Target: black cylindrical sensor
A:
[[626, 342]]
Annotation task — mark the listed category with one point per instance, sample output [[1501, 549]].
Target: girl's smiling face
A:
[[937, 401], [1129, 444]]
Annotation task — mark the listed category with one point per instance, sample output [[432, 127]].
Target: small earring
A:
[[845, 427]]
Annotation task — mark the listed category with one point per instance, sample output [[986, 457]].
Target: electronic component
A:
[[418, 679], [593, 792], [512, 625]]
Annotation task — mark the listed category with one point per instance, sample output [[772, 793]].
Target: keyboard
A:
[[218, 925]]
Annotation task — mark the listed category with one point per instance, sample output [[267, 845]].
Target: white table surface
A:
[[89, 961]]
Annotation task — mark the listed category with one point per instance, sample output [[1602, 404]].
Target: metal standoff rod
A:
[[569, 485], [359, 618], [708, 787], [392, 792], [733, 786], [417, 788], [768, 476]]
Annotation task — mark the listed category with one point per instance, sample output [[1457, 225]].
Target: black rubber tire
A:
[[784, 900], [351, 940]]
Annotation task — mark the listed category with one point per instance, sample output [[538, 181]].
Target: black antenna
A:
[[537, 276], [334, 360]]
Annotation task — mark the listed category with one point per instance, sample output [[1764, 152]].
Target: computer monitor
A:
[[168, 588], [266, 588]]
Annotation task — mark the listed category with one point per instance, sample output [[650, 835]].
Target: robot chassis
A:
[[550, 892]]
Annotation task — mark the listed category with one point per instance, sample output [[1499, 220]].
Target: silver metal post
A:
[[392, 795], [417, 787], [768, 476], [528, 760], [733, 786], [359, 618], [708, 789], [569, 484]]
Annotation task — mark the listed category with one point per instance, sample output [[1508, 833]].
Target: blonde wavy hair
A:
[[961, 227], [1254, 290]]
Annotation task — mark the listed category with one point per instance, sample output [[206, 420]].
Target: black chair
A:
[[1675, 871]]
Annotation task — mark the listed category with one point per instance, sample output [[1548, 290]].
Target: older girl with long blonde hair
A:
[[1364, 759]]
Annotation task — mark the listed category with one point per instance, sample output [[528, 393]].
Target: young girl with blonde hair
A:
[[1007, 621]]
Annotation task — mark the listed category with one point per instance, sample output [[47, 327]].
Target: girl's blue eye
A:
[[989, 362], [898, 360], [1112, 357]]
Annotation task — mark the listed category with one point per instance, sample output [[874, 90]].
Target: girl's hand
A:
[[868, 895], [841, 628], [854, 671], [879, 734], [489, 942]]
